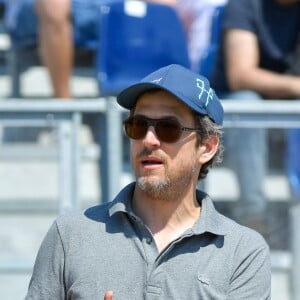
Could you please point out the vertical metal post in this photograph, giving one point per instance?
(65, 165)
(295, 248)
(76, 157)
(15, 72)
(111, 151)
(114, 149)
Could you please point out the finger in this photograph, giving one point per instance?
(108, 295)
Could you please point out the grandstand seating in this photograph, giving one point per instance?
(136, 39)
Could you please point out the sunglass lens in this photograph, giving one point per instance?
(136, 128)
(168, 131)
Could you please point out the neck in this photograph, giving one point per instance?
(174, 213)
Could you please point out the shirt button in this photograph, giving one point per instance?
(149, 240)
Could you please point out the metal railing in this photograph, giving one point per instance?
(66, 116)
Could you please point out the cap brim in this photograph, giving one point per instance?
(128, 97)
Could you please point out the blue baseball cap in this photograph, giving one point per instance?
(192, 89)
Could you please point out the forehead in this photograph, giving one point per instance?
(161, 101)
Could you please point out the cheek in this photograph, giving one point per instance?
(188, 155)
(135, 147)
(135, 150)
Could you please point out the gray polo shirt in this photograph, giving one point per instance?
(109, 248)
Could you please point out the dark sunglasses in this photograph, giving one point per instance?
(168, 130)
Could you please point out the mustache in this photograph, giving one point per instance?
(149, 152)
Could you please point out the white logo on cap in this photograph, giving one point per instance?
(157, 80)
(209, 92)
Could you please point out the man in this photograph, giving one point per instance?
(258, 39)
(160, 238)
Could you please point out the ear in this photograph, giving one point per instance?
(208, 149)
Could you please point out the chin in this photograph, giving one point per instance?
(152, 184)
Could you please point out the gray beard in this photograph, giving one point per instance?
(155, 189)
(166, 189)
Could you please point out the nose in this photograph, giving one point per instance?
(151, 139)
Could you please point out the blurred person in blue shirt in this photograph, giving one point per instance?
(51, 24)
(54, 25)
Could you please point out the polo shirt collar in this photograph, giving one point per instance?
(122, 202)
(209, 221)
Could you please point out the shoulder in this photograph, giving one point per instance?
(77, 221)
(248, 257)
(242, 4)
(241, 13)
(96, 216)
(241, 230)
(244, 240)
(75, 228)
(235, 235)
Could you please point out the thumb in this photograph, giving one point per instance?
(108, 295)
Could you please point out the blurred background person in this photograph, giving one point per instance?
(51, 24)
(53, 27)
(258, 39)
(197, 18)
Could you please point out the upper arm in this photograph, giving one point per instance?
(251, 278)
(241, 51)
(47, 280)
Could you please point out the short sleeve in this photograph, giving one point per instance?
(239, 15)
(47, 281)
(252, 273)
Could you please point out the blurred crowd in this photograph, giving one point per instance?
(257, 58)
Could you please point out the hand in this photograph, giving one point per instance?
(108, 295)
